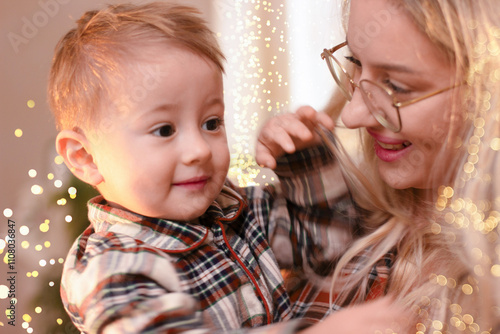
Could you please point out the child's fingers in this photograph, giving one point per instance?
(326, 121)
(285, 131)
(311, 118)
(276, 139)
(264, 158)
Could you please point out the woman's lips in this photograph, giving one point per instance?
(390, 149)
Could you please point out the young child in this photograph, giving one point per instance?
(138, 97)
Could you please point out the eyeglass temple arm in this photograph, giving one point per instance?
(332, 50)
(420, 98)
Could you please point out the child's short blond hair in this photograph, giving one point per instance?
(92, 56)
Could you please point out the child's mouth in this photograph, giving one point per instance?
(196, 183)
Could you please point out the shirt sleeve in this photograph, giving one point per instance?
(309, 214)
(120, 286)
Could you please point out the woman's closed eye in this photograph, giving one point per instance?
(165, 130)
(395, 88)
(213, 124)
(353, 60)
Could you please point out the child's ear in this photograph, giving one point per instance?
(74, 147)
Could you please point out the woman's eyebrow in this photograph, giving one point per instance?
(388, 66)
(391, 67)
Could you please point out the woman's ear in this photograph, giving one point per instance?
(74, 147)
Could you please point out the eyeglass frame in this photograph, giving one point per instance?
(395, 103)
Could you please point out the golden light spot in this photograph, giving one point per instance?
(61, 201)
(449, 218)
(60, 260)
(421, 327)
(468, 319)
(36, 189)
(72, 190)
(425, 301)
(436, 228)
(47, 244)
(50, 176)
(448, 192)
(455, 308)
(34, 273)
(8, 213)
(473, 149)
(38, 248)
(24, 230)
(32, 173)
(28, 274)
(478, 270)
(38, 309)
(26, 317)
(474, 328)
(495, 144)
(468, 167)
(467, 289)
(59, 321)
(25, 244)
(441, 280)
(30, 104)
(18, 133)
(44, 227)
(58, 160)
(495, 270)
(437, 325)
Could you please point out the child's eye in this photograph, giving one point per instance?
(166, 130)
(213, 124)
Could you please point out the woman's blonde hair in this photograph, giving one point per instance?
(447, 264)
(91, 58)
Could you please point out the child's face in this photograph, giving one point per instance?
(163, 151)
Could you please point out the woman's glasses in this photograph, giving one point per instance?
(380, 100)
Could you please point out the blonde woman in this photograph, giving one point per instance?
(421, 78)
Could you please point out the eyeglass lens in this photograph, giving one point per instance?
(376, 98)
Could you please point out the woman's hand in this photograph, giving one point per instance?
(289, 133)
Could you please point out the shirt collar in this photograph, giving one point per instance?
(171, 236)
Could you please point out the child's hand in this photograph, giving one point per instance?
(289, 133)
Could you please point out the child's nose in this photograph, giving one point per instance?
(356, 113)
(195, 149)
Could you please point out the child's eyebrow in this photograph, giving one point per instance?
(169, 107)
(215, 101)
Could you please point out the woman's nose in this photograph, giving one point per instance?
(356, 113)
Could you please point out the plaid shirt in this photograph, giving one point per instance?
(132, 274)
(309, 289)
